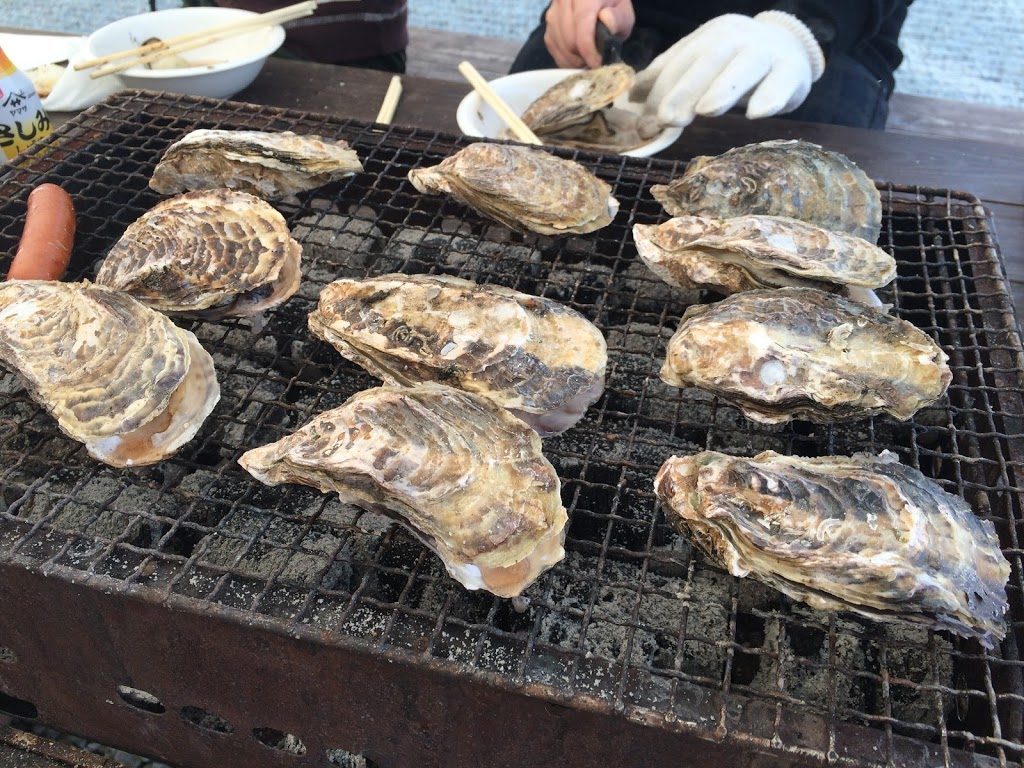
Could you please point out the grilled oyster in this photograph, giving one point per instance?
(576, 98)
(116, 375)
(209, 254)
(541, 360)
(778, 178)
(464, 475)
(802, 353)
(748, 252)
(274, 166)
(864, 534)
(578, 111)
(525, 189)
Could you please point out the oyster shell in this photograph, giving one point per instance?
(274, 166)
(748, 252)
(802, 353)
(116, 375)
(578, 111)
(464, 475)
(525, 189)
(864, 534)
(778, 178)
(541, 360)
(576, 98)
(209, 254)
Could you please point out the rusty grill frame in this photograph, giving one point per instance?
(124, 593)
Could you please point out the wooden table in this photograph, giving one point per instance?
(994, 172)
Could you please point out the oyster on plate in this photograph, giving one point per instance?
(778, 178)
(274, 166)
(117, 376)
(539, 359)
(748, 252)
(463, 474)
(802, 353)
(525, 189)
(578, 111)
(208, 254)
(865, 534)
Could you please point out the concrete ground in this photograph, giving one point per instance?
(954, 49)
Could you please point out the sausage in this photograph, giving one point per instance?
(46, 240)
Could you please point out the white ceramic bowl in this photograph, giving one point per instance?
(240, 58)
(476, 118)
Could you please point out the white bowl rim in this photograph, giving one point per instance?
(472, 101)
(162, 74)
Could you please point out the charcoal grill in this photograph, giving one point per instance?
(187, 612)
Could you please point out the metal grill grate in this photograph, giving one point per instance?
(632, 620)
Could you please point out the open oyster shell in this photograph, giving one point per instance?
(576, 98)
(463, 474)
(864, 534)
(541, 360)
(778, 178)
(274, 166)
(802, 353)
(525, 189)
(116, 375)
(748, 252)
(578, 111)
(208, 254)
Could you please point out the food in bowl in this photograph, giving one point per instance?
(579, 112)
(217, 70)
(520, 90)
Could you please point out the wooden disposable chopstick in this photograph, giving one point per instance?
(390, 103)
(510, 118)
(159, 49)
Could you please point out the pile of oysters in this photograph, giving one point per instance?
(786, 231)
(475, 375)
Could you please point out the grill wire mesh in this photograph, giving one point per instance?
(632, 619)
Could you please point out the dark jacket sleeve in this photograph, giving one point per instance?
(839, 24)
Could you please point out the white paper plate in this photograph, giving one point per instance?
(476, 118)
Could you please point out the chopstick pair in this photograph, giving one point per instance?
(144, 54)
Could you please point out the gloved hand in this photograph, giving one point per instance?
(772, 56)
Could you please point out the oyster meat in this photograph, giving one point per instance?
(523, 188)
(778, 178)
(748, 252)
(116, 375)
(803, 353)
(463, 474)
(533, 356)
(274, 166)
(208, 254)
(578, 111)
(865, 534)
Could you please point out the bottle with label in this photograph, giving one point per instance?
(23, 120)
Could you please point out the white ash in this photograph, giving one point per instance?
(583, 284)
(346, 242)
(910, 659)
(247, 399)
(782, 669)
(638, 288)
(343, 759)
(485, 262)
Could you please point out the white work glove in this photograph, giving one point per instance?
(773, 57)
